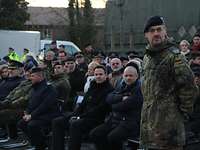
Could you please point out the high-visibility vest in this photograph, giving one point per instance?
(23, 58)
(13, 56)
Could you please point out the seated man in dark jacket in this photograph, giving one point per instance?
(42, 108)
(87, 116)
(124, 120)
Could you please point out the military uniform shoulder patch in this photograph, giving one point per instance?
(178, 61)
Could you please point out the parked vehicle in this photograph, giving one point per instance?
(19, 40)
(70, 47)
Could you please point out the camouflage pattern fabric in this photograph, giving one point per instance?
(169, 92)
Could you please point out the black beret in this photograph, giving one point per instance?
(15, 64)
(36, 69)
(153, 21)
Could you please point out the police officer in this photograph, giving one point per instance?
(168, 90)
(13, 55)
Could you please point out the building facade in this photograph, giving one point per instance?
(124, 21)
(53, 23)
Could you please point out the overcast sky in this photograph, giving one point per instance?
(62, 3)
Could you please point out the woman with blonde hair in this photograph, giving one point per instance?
(184, 46)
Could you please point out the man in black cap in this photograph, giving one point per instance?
(12, 54)
(41, 109)
(168, 90)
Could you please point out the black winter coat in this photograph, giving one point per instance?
(77, 81)
(7, 85)
(126, 112)
(43, 103)
(94, 104)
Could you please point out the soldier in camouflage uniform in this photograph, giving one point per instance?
(61, 84)
(47, 65)
(168, 91)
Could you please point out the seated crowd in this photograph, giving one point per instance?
(87, 96)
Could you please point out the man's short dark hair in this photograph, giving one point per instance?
(59, 63)
(70, 59)
(101, 67)
(62, 51)
(196, 35)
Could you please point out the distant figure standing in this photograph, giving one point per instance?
(12, 55)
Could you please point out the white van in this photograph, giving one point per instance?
(70, 47)
(19, 40)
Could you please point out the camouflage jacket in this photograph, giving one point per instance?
(18, 98)
(61, 84)
(168, 91)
